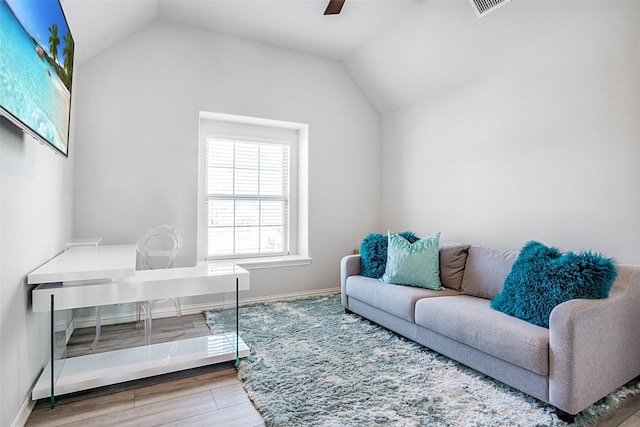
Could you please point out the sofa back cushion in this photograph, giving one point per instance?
(453, 257)
(486, 270)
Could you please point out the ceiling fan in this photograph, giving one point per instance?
(334, 7)
(482, 7)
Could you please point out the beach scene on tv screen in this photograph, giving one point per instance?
(36, 66)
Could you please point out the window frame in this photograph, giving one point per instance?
(250, 129)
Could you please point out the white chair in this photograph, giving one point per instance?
(157, 249)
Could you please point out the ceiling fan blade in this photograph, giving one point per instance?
(334, 7)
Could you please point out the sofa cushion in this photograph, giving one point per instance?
(471, 321)
(413, 264)
(395, 299)
(453, 257)
(485, 271)
(543, 277)
(373, 253)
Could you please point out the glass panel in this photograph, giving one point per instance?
(219, 153)
(247, 212)
(246, 182)
(247, 240)
(220, 241)
(247, 155)
(223, 323)
(60, 333)
(220, 213)
(229, 321)
(271, 239)
(271, 183)
(58, 327)
(219, 181)
(273, 170)
(271, 156)
(272, 213)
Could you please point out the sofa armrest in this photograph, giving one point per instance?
(349, 266)
(593, 344)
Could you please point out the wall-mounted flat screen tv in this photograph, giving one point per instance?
(36, 69)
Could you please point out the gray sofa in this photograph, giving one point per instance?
(591, 347)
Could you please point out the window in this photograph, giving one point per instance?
(247, 198)
(250, 187)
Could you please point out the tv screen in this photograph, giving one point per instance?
(36, 69)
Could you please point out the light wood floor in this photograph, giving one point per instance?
(207, 396)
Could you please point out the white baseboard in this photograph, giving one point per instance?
(27, 406)
(289, 296)
(106, 319)
(110, 319)
(69, 331)
(23, 414)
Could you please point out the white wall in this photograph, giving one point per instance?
(542, 143)
(35, 221)
(137, 128)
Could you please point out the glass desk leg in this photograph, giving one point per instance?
(52, 398)
(226, 325)
(237, 326)
(58, 337)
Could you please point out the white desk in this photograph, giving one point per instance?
(86, 276)
(143, 285)
(87, 263)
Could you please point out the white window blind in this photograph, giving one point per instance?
(247, 198)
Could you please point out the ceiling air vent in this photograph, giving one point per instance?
(482, 7)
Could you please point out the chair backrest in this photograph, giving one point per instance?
(158, 247)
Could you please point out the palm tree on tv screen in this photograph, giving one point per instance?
(68, 54)
(54, 41)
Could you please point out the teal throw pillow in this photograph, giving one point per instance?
(413, 264)
(373, 253)
(543, 277)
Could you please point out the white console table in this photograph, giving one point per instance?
(86, 276)
(87, 263)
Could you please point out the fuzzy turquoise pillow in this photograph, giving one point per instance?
(543, 277)
(373, 253)
(413, 264)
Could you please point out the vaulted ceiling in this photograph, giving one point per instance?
(356, 37)
(397, 51)
(293, 24)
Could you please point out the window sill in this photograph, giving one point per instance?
(264, 262)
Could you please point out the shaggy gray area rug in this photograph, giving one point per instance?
(313, 365)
